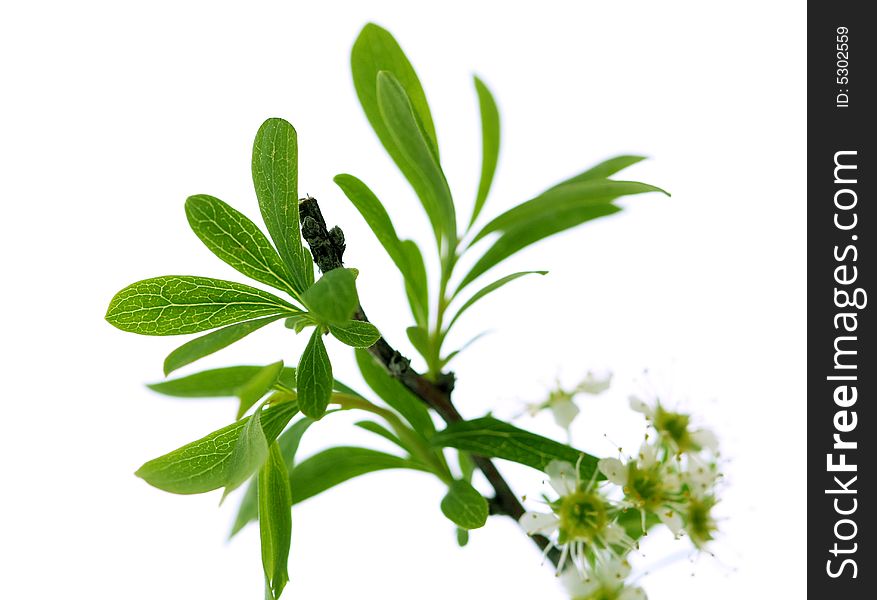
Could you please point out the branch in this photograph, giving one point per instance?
(327, 247)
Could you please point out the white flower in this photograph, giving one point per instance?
(606, 581)
(651, 484)
(674, 428)
(581, 519)
(701, 476)
(561, 402)
(700, 524)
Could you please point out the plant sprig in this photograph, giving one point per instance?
(260, 446)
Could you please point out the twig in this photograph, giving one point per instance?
(327, 247)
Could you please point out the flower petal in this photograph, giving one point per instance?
(595, 384)
(562, 476)
(641, 407)
(564, 412)
(614, 570)
(536, 522)
(648, 456)
(672, 520)
(615, 534)
(614, 470)
(705, 439)
(632, 593)
(577, 587)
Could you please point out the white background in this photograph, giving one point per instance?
(113, 114)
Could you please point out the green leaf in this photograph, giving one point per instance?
(583, 194)
(419, 338)
(404, 254)
(488, 289)
(212, 383)
(314, 377)
(539, 228)
(382, 431)
(358, 334)
(275, 520)
(330, 467)
(489, 144)
(395, 394)
(288, 441)
(248, 455)
(417, 292)
(275, 177)
(333, 298)
(467, 466)
(465, 506)
(204, 465)
(603, 170)
(417, 157)
(493, 438)
(376, 50)
(181, 304)
(218, 383)
(257, 386)
(214, 341)
(462, 536)
(237, 241)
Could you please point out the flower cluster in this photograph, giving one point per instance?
(671, 481)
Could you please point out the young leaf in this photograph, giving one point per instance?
(467, 466)
(330, 467)
(248, 455)
(407, 259)
(489, 144)
(376, 50)
(217, 383)
(213, 342)
(358, 334)
(419, 338)
(456, 352)
(257, 386)
(418, 296)
(465, 506)
(493, 438)
(603, 170)
(395, 394)
(488, 289)
(581, 194)
(275, 520)
(382, 431)
(237, 241)
(539, 228)
(422, 167)
(203, 465)
(314, 377)
(181, 304)
(462, 537)
(275, 177)
(333, 298)
(288, 441)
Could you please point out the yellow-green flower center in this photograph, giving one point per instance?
(674, 426)
(583, 516)
(701, 524)
(644, 487)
